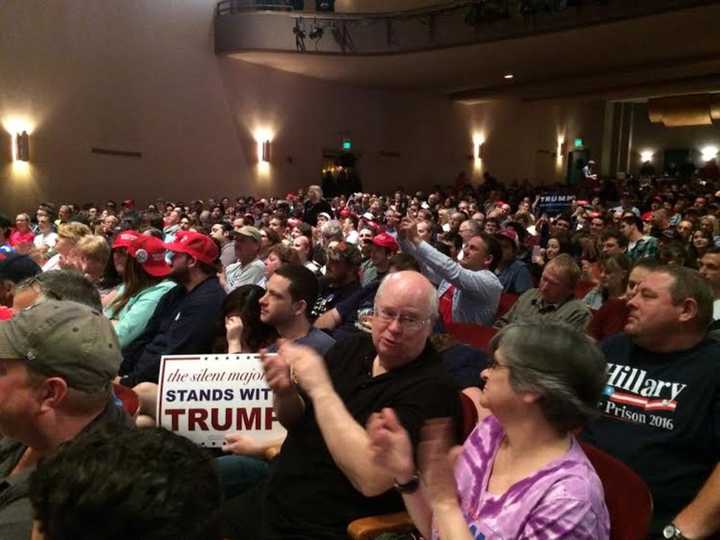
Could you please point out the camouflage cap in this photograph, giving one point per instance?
(59, 338)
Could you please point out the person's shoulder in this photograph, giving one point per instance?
(318, 340)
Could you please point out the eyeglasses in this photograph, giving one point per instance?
(406, 322)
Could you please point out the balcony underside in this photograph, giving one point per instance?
(673, 52)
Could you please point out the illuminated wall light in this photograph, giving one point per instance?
(22, 147)
(265, 154)
(709, 152)
(561, 150)
(646, 156)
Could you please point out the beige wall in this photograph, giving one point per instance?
(142, 76)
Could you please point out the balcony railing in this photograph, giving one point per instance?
(281, 25)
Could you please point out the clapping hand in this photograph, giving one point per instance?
(390, 445)
(307, 368)
(436, 457)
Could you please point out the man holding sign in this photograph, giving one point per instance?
(324, 476)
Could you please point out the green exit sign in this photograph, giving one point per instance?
(578, 142)
(347, 145)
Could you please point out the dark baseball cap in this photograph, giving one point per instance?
(16, 267)
(59, 338)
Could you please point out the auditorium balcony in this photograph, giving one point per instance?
(287, 25)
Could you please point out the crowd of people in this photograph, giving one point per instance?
(603, 299)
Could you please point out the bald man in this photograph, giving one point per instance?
(325, 472)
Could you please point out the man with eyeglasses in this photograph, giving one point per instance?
(324, 472)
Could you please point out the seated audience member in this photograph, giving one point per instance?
(353, 314)
(469, 291)
(93, 253)
(611, 318)
(342, 277)
(287, 305)
(521, 473)
(57, 363)
(68, 236)
(659, 409)
(382, 247)
(512, 273)
(120, 246)
(556, 245)
(277, 256)
(222, 232)
(702, 240)
(45, 236)
(672, 253)
(246, 333)
(186, 319)
(553, 300)
(614, 273)
(324, 476)
(249, 269)
(21, 238)
(56, 285)
(710, 271)
(303, 246)
(640, 245)
(613, 242)
(13, 269)
(144, 283)
(147, 484)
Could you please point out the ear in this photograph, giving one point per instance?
(689, 310)
(52, 393)
(299, 307)
(531, 397)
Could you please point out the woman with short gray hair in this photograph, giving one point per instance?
(520, 473)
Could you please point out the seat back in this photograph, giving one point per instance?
(476, 335)
(506, 302)
(627, 496)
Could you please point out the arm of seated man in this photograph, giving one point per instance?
(347, 440)
(701, 518)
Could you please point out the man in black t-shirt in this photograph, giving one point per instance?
(342, 277)
(661, 406)
(324, 476)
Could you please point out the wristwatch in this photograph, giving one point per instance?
(671, 532)
(410, 486)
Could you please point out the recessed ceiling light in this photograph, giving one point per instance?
(509, 76)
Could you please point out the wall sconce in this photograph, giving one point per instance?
(22, 147)
(265, 153)
(478, 146)
(646, 156)
(709, 153)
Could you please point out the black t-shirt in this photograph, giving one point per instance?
(306, 496)
(330, 296)
(661, 416)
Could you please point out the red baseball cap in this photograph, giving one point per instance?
(385, 240)
(196, 245)
(125, 239)
(150, 253)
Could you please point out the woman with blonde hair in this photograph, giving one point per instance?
(65, 255)
(93, 253)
